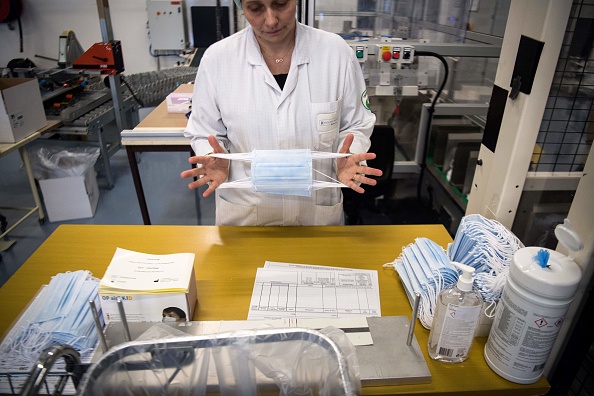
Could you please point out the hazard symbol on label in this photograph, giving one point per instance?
(541, 322)
(559, 322)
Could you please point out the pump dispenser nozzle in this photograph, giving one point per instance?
(465, 280)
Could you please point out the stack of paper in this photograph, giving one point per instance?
(285, 290)
(151, 287)
(139, 273)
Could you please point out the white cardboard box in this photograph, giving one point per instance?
(21, 109)
(179, 102)
(70, 198)
(149, 307)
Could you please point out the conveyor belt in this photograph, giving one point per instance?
(96, 118)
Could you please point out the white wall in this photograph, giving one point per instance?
(44, 20)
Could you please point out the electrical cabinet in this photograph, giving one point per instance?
(168, 25)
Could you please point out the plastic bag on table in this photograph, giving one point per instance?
(49, 162)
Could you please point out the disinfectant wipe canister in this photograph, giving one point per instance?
(530, 313)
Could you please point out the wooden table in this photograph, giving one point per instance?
(226, 262)
(6, 148)
(158, 131)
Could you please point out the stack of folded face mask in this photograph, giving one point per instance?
(424, 268)
(59, 314)
(489, 247)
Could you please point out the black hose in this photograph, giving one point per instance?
(431, 110)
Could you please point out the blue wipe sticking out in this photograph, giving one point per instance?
(542, 257)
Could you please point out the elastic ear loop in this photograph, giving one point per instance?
(392, 264)
(491, 309)
(323, 174)
(31, 344)
(246, 157)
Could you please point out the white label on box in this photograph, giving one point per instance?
(17, 120)
(145, 307)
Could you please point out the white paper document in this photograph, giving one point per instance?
(285, 290)
(147, 273)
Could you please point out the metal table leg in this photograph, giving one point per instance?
(131, 151)
(27, 164)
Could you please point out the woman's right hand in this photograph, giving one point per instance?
(209, 170)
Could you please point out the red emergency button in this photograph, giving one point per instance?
(386, 56)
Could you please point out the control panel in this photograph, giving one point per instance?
(391, 53)
(361, 51)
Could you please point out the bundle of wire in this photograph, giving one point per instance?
(424, 268)
(59, 314)
(489, 247)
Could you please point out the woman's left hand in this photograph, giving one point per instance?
(349, 171)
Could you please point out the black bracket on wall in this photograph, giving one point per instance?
(494, 117)
(525, 67)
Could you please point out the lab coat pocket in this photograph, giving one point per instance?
(228, 213)
(329, 214)
(326, 117)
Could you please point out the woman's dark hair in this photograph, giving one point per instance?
(177, 311)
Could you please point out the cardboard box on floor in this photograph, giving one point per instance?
(21, 109)
(69, 198)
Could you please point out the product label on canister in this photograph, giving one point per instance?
(458, 330)
(521, 339)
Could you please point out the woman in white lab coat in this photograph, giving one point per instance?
(279, 85)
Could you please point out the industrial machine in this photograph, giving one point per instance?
(410, 88)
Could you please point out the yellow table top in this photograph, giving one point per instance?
(225, 265)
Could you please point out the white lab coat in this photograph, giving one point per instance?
(237, 99)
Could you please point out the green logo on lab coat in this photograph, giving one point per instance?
(365, 99)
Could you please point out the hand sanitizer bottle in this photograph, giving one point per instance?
(455, 320)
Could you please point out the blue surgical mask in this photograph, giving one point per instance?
(60, 314)
(425, 268)
(287, 172)
(489, 247)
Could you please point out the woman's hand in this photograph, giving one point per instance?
(349, 171)
(211, 171)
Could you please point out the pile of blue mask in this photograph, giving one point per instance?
(59, 314)
(425, 268)
(489, 247)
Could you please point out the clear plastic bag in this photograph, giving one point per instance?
(291, 360)
(53, 162)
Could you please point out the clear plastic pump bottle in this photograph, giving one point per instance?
(455, 320)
